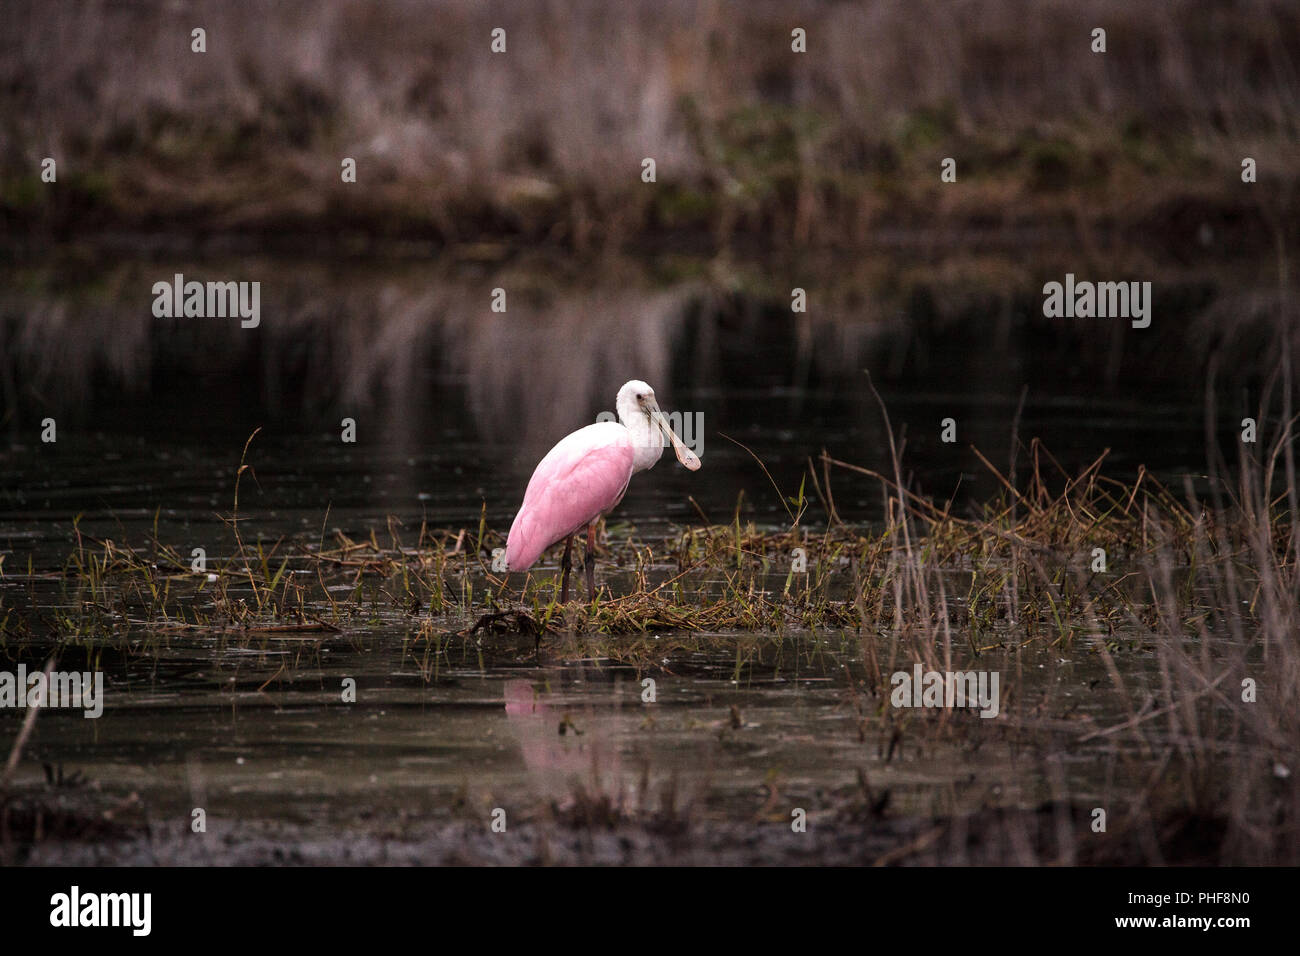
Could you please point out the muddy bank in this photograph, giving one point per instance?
(42, 832)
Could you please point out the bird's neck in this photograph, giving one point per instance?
(647, 438)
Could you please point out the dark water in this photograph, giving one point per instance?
(453, 405)
(747, 727)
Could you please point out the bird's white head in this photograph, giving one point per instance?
(639, 411)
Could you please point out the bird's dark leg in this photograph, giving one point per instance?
(589, 562)
(566, 562)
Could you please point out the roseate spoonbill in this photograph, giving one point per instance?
(584, 476)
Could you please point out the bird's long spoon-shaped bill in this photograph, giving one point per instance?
(684, 454)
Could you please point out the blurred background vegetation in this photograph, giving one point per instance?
(755, 146)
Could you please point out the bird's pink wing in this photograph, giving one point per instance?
(580, 478)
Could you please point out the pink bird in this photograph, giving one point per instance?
(584, 477)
